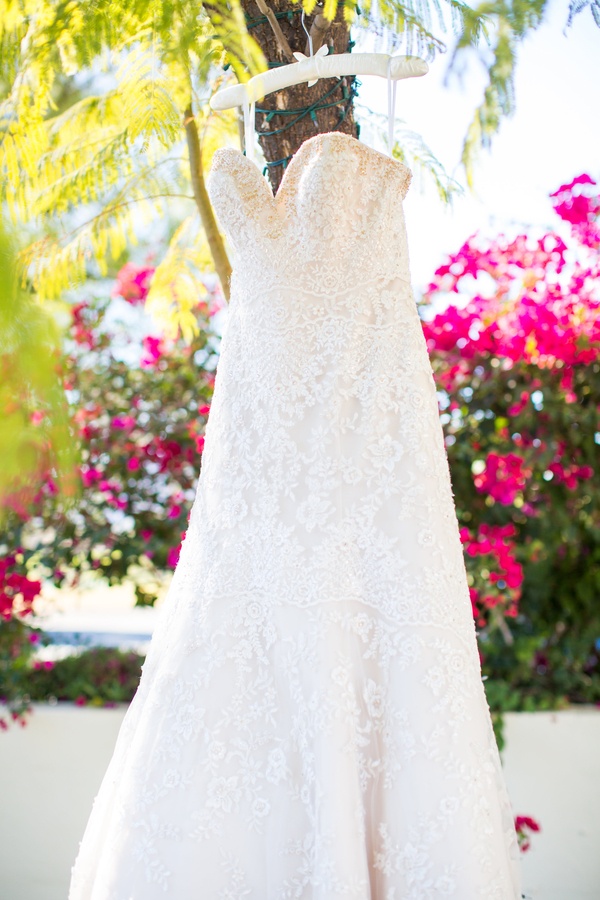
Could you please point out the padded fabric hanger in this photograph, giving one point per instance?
(310, 69)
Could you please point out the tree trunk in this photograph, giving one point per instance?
(280, 135)
(207, 216)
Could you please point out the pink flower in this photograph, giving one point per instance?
(520, 405)
(154, 350)
(17, 591)
(581, 179)
(89, 475)
(494, 546)
(527, 822)
(133, 283)
(173, 556)
(146, 534)
(524, 826)
(80, 329)
(580, 208)
(503, 478)
(133, 464)
(123, 423)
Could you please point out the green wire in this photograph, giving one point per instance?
(301, 113)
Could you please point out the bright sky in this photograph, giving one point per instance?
(553, 136)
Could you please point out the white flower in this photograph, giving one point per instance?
(445, 885)
(171, 778)
(276, 766)
(412, 858)
(188, 719)
(313, 511)
(261, 807)
(456, 663)
(223, 793)
(340, 676)
(435, 679)
(385, 453)
(426, 537)
(216, 751)
(233, 509)
(387, 299)
(352, 474)
(254, 609)
(362, 625)
(373, 695)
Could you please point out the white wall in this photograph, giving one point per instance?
(552, 768)
(51, 770)
(49, 774)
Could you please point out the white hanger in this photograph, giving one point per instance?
(310, 69)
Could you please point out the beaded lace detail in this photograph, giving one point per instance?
(311, 721)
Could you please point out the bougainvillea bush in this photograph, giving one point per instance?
(18, 636)
(139, 404)
(98, 676)
(513, 330)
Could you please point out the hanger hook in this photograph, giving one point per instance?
(310, 40)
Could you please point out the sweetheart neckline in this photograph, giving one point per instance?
(309, 143)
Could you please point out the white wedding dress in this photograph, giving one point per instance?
(311, 721)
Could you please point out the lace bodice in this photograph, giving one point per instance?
(311, 722)
(338, 210)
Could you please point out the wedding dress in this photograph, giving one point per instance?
(311, 721)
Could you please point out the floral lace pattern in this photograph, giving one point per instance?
(311, 722)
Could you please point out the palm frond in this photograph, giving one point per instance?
(177, 287)
(148, 107)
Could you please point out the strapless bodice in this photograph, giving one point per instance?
(337, 215)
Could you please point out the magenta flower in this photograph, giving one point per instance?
(501, 587)
(133, 283)
(123, 423)
(90, 475)
(173, 556)
(154, 350)
(504, 477)
(17, 591)
(525, 826)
